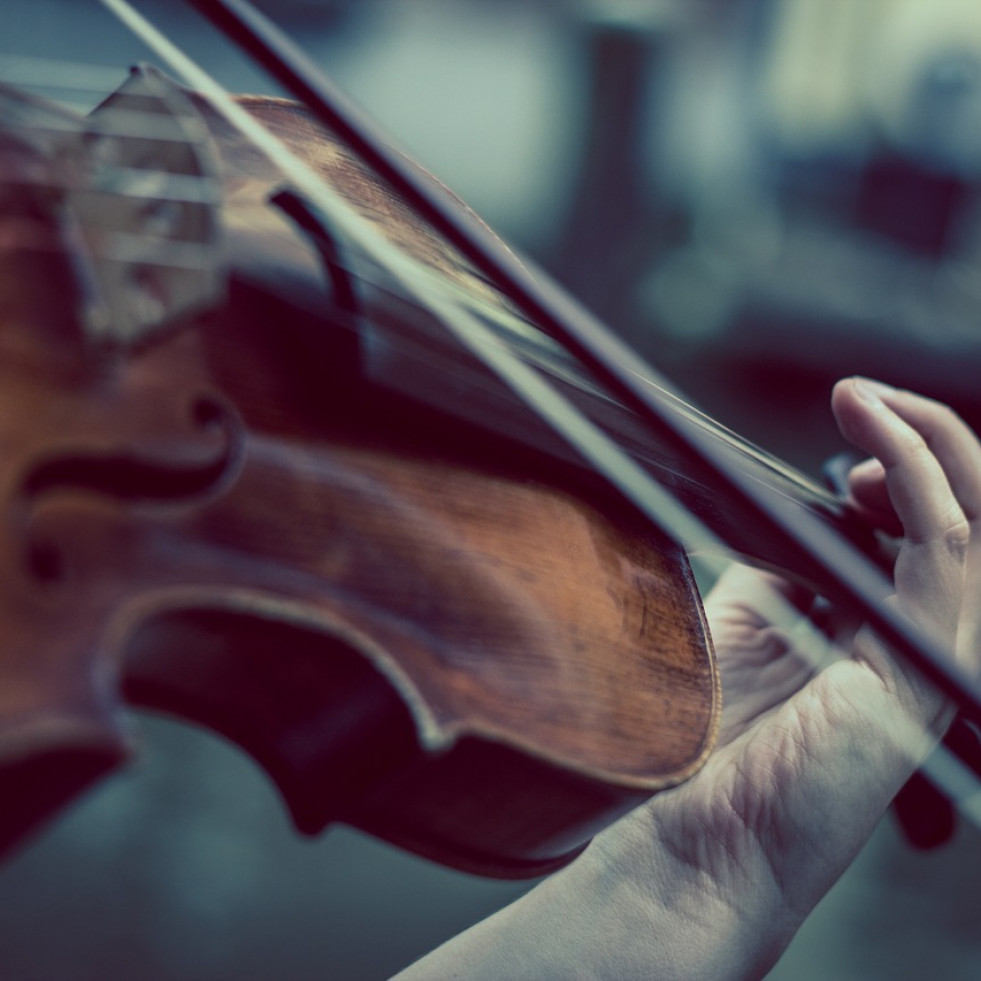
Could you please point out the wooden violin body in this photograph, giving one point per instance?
(417, 626)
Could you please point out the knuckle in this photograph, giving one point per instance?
(956, 535)
(951, 531)
(945, 419)
(910, 445)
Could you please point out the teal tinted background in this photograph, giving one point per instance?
(186, 868)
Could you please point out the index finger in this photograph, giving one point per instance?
(949, 438)
(921, 468)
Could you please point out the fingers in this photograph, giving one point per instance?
(951, 441)
(921, 447)
(868, 490)
(949, 438)
(928, 464)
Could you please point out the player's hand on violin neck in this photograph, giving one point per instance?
(713, 878)
(923, 478)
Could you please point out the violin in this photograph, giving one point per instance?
(401, 619)
(252, 482)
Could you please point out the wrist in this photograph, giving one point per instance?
(684, 915)
(630, 907)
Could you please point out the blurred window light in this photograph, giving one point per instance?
(901, 70)
(811, 76)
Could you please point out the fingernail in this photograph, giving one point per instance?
(866, 391)
(881, 387)
(870, 469)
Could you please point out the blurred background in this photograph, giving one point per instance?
(762, 196)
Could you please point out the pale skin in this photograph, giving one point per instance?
(712, 880)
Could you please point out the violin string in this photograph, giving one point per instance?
(115, 122)
(752, 455)
(433, 292)
(53, 74)
(858, 581)
(128, 182)
(115, 140)
(751, 458)
(132, 249)
(177, 188)
(58, 75)
(98, 119)
(663, 510)
(144, 124)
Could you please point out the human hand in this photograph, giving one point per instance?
(712, 879)
(807, 763)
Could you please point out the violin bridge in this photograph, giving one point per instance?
(129, 195)
(148, 213)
